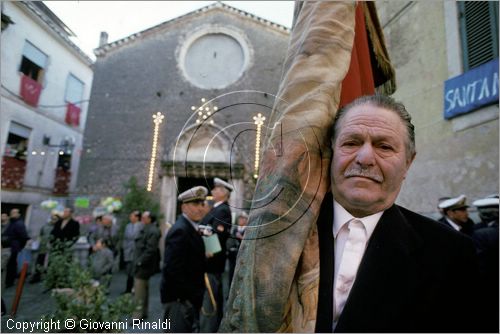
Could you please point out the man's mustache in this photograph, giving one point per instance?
(364, 172)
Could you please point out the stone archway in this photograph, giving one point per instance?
(200, 152)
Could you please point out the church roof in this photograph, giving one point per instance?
(215, 6)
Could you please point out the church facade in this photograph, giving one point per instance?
(181, 103)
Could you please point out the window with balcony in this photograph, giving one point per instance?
(33, 63)
(14, 159)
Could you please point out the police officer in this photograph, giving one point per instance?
(182, 283)
(456, 215)
(219, 219)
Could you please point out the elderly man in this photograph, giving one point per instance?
(382, 268)
(182, 283)
(385, 268)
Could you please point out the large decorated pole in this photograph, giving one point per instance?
(275, 286)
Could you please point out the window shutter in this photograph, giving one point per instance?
(479, 30)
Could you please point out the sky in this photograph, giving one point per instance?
(123, 18)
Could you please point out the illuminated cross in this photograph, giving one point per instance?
(204, 111)
(259, 121)
(157, 120)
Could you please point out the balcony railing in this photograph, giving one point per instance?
(13, 170)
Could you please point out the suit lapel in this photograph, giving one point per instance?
(381, 294)
(324, 313)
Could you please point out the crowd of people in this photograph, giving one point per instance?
(188, 268)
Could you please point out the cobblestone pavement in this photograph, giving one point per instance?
(36, 301)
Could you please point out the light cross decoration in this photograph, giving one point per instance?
(157, 119)
(204, 111)
(259, 121)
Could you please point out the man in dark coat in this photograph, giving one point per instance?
(67, 230)
(146, 261)
(219, 219)
(15, 237)
(455, 214)
(182, 283)
(388, 269)
(486, 241)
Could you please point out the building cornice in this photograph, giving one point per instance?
(102, 50)
(60, 34)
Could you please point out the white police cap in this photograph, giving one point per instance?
(198, 193)
(485, 202)
(454, 203)
(222, 183)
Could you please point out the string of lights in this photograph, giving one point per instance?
(259, 121)
(157, 119)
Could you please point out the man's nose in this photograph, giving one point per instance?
(365, 156)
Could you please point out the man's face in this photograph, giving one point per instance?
(146, 218)
(218, 193)
(194, 210)
(5, 217)
(370, 160)
(14, 213)
(107, 221)
(459, 216)
(242, 221)
(133, 218)
(66, 213)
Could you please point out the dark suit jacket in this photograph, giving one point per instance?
(69, 233)
(15, 235)
(415, 276)
(219, 216)
(467, 228)
(183, 264)
(146, 253)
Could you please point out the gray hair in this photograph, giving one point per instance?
(386, 102)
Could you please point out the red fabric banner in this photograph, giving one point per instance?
(359, 79)
(30, 90)
(73, 115)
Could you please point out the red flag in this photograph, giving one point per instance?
(30, 90)
(359, 79)
(73, 115)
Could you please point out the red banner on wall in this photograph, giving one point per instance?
(30, 90)
(73, 115)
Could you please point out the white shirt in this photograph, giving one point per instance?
(218, 203)
(454, 225)
(340, 218)
(194, 224)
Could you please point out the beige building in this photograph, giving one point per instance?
(430, 43)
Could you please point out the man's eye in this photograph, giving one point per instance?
(386, 147)
(349, 143)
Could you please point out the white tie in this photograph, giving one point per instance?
(353, 252)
